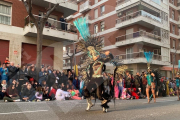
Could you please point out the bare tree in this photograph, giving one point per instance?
(39, 23)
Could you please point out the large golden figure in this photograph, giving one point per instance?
(95, 59)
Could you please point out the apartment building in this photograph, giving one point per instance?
(131, 27)
(18, 34)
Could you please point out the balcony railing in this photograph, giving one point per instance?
(137, 55)
(87, 3)
(120, 2)
(66, 64)
(68, 51)
(138, 34)
(53, 24)
(137, 14)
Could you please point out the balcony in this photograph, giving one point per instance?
(70, 52)
(142, 18)
(53, 30)
(67, 7)
(140, 58)
(85, 7)
(126, 4)
(140, 37)
(66, 64)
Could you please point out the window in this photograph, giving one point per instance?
(179, 42)
(5, 14)
(102, 10)
(95, 1)
(96, 28)
(174, 44)
(155, 51)
(173, 2)
(129, 53)
(102, 39)
(173, 29)
(96, 13)
(102, 26)
(173, 14)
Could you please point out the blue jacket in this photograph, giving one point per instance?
(74, 83)
(42, 76)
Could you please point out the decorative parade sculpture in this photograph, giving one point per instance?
(95, 59)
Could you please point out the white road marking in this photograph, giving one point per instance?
(23, 112)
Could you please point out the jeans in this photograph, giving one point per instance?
(120, 90)
(107, 89)
(31, 98)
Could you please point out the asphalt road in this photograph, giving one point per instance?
(167, 108)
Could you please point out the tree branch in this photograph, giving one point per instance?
(50, 11)
(68, 54)
(28, 6)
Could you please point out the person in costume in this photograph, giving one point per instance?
(157, 77)
(177, 85)
(150, 84)
(95, 58)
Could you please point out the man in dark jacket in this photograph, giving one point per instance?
(137, 81)
(28, 94)
(52, 79)
(128, 80)
(13, 72)
(63, 21)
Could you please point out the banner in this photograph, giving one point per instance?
(76, 70)
(179, 64)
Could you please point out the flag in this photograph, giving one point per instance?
(76, 70)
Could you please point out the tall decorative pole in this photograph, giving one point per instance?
(149, 56)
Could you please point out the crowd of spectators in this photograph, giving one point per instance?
(21, 84)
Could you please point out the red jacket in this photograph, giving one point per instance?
(53, 91)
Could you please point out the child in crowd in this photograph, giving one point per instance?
(62, 95)
(125, 95)
(52, 93)
(39, 94)
(45, 86)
